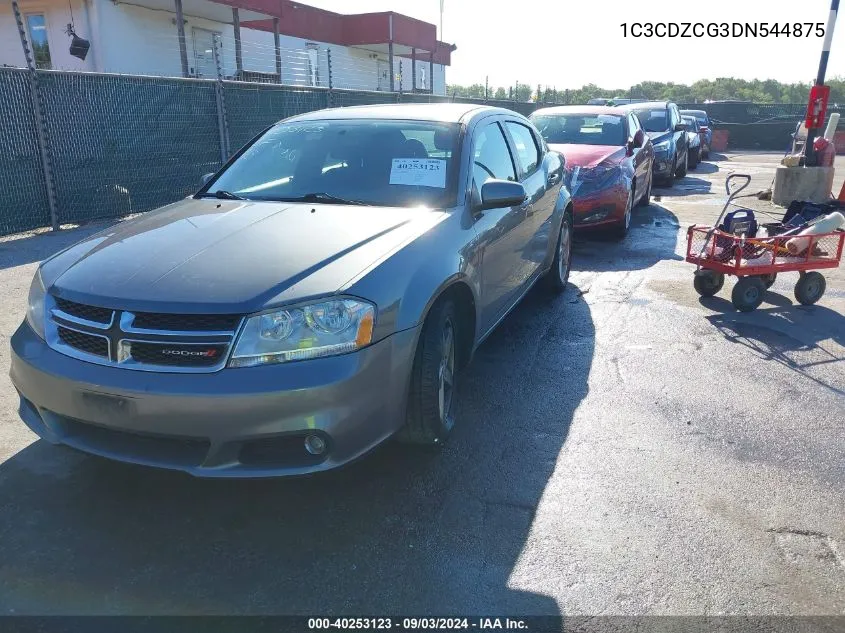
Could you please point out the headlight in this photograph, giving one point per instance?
(585, 180)
(663, 146)
(35, 304)
(321, 329)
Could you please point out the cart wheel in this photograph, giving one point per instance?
(747, 294)
(769, 280)
(708, 282)
(810, 288)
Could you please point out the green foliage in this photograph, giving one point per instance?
(758, 91)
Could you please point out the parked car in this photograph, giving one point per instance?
(694, 140)
(620, 101)
(598, 101)
(317, 295)
(662, 122)
(608, 158)
(705, 129)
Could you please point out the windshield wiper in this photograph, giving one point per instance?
(221, 195)
(324, 197)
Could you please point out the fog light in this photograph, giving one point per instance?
(315, 444)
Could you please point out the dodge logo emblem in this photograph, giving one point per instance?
(208, 353)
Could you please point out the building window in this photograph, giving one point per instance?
(422, 78)
(37, 27)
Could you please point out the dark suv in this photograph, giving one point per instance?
(662, 122)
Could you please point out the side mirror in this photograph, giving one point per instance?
(206, 178)
(639, 138)
(680, 128)
(496, 194)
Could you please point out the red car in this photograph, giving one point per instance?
(608, 160)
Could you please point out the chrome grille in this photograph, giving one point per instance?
(174, 355)
(84, 342)
(142, 341)
(186, 322)
(84, 312)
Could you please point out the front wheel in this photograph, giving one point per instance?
(681, 171)
(646, 197)
(430, 417)
(708, 282)
(558, 274)
(810, 288)
(748, 293)
(621, 230)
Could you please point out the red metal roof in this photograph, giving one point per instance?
(361, 29)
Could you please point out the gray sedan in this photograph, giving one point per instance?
(316, 297)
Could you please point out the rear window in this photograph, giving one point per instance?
(581, 129)
(653, 120)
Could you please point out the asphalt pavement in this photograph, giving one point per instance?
(625, 448)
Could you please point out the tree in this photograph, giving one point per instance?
(501, 93)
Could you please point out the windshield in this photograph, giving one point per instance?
(689, 124)
(702, 121)
(581, 129)
(369, 161)
(653, 120)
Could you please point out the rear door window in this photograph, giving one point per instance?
(527, 153)
(491, 156)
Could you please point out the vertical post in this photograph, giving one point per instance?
(40, 121)
(486, 86)
(413, 70)
(222, 121)
(809, 152)
(401, 77)
(331, 78)
(390, 62)
(278, 48)
(239, 59)
(180, 29)
(390, 54)
(431, 71)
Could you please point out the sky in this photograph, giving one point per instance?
(570, 43)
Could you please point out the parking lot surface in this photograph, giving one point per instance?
(626, 448)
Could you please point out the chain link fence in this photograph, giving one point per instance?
(124, 144)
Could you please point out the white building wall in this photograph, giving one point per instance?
(130, 39)
(57, 17)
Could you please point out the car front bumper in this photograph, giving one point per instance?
(244, 422)
(601, 208)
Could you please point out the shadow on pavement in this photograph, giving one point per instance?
(687, 186)
(651, 238)
(705, 168)
(401, 531)
(783, 333)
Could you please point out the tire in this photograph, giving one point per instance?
(681, 171)
(769, 280)
(694, 159)
(645, 200)
(810, 288)
(558, 275)
(705, 154)
(621, 230)
(707, 282)
(748, 293)
(430, 417)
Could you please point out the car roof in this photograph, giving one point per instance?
(582, 109)
(439, 112)
(693, 112)
(646, 104)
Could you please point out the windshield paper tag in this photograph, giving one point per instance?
(423, 172)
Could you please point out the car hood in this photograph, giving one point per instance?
(657, 137)
(230, 256)
(589, 155)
